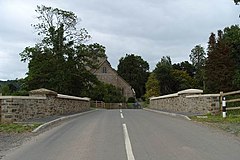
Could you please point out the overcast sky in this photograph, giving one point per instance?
(149, 28)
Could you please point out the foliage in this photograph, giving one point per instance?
(217, 119)
(197, 56)
(13, 87)
(236, 2)
(173, 78)
(131, 100)
(60, 61)
(220, 64)
(163, 73)
(106, 92)
(198, 59)
(232, 39)
(185, 66)
(181, 80)
(17, 128)
(5, 90)
(134, 70)
(152, 86)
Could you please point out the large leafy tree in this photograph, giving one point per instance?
(172, 78)
(134, 70)
(198, 56)
(232, 40)
(185, 66)
(60, 60)
(181, 80)
(198, 59)
(163, 73)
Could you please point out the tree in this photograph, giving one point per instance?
(236, 2)
(198, 58)
(134, 70)
(5, 90)
(172, 78)
(181, 80)
(232, 39)
(219, 65)
(60, 61)
(107, 93)
(185, 66)
(152, 86)
(163, 73)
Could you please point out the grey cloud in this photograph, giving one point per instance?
(150, 28)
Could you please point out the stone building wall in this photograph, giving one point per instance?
(107, 74)
(187, 101)
(41, 103)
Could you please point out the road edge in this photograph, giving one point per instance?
(60, 119)
(168, 113)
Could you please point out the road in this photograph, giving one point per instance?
(129, 135)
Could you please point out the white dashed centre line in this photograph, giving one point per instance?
(121, 115)
(120, 111)
(128, 145)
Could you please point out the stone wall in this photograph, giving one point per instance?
(187, 101)
(41, 103)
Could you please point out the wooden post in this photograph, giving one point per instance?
(221, 96)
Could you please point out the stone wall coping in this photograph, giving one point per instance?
(187, 91)
(165, 96)
(204, 95)
(191, 91)
(72, 97)
(21, 97)
(43, 91)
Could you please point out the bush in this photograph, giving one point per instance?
(131, 100)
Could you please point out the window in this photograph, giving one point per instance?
(104, 70)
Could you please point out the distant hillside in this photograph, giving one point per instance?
(15, 83)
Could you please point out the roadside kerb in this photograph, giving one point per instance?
(168, 113)
(60, 119)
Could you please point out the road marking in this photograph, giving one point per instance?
(121, 115)
(120, 110)
(128, 145)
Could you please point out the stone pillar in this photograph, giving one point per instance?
(42, 93)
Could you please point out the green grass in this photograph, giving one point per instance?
(217, 119)
(229, 124)
(17, 128)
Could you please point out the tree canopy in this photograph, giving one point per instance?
(134, 70)
(107, 93)
(60, 60)
(197, 56)
(222, 62)
(173, 78)
(152, 86)
(236, 2)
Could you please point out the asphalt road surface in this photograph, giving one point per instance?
(129, 135)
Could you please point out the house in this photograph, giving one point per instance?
(105, 73)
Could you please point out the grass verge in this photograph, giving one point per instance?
(230, 124)
(17, 128)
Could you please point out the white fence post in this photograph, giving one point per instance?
(224, 109)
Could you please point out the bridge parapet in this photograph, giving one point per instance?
(187, 101)
(39, 104)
